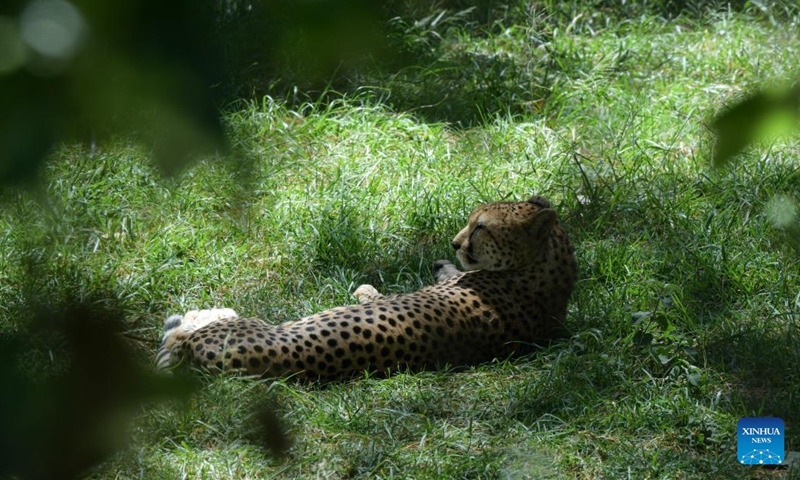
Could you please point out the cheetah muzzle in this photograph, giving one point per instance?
(519, 273)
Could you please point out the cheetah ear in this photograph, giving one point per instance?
(542, 223)
(539, 201)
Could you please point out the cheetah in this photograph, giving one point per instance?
(520, 270)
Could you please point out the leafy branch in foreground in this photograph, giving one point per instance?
(763, 115)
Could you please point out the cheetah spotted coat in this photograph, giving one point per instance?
(520, 272)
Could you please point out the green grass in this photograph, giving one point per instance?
(685, 317)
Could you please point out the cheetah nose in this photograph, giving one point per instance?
(455, 245)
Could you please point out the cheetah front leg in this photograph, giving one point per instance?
(444, 270)
(366, 294)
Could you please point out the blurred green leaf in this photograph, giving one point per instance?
(782, 212)
(763, 115)
(72, 382)
(270, 433)
(58, 423)
(88, 70)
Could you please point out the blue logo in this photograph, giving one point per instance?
(760, 441)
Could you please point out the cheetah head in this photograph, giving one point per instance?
(505, 235)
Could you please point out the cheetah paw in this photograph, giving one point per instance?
(177, 328)
(366, 294)
(195, 319)
(444, 269)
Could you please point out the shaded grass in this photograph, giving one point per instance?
(684, 319)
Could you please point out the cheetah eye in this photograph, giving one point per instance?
(478, 226)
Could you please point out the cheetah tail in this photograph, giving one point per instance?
(172, 329)
(177, 328)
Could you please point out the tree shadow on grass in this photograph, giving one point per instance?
(717, 326)
(413, 55)
(762, 363)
